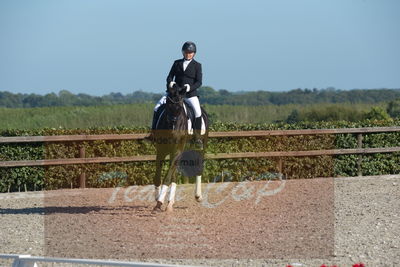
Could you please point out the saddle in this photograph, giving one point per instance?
(189, 113)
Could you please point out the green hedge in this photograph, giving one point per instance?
(124, 174)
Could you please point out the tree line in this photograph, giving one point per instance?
(208, 95)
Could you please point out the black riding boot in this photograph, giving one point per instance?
(197, 133)
(150, 137)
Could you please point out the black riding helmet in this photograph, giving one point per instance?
(189, 47)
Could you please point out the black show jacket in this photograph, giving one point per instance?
(192, 75)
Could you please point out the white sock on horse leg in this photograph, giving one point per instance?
(156, 192)
(163, 193)
(172, 191)
(198, 186)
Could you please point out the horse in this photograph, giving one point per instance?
(171, 135)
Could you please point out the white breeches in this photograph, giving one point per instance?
(193, 101)
(160, 102)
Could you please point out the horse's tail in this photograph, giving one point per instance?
(204, 115)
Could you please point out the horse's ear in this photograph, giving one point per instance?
(172, 91)
(182, 91)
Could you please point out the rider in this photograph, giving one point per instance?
(186, 73)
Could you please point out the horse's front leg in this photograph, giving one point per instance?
(198, 195)
(171, 176)
(197, 192)
(159, 190)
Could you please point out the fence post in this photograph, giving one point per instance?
(360, 156)
(82, 178)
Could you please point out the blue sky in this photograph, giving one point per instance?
(98, 46)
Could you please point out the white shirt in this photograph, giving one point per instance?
(186, 63)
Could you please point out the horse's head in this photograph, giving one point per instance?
(176, 91)
(174, 105)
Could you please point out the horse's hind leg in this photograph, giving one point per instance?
(161, 197)
(157, 177)
(198, 195)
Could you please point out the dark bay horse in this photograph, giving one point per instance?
(170, 137)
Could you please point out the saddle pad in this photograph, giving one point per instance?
(190, 113)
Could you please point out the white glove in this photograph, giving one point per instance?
(187, 86)
(171, 84)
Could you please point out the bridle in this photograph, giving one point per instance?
(175, 102)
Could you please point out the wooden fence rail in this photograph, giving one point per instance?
(306, 153)
(279, 154)
(65, 138)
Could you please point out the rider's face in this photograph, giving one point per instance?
(188, 55)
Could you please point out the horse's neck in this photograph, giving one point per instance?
(181, 123)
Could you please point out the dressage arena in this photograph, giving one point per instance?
(303, 222)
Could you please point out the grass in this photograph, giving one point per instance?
(132, 115)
